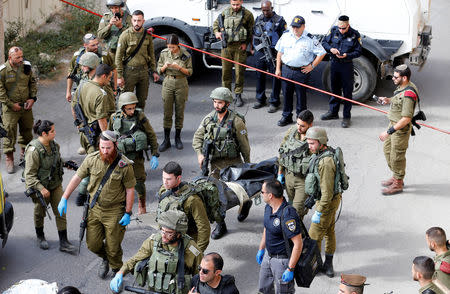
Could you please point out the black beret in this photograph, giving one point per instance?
(343, 18)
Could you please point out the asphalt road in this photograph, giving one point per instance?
(377, 236)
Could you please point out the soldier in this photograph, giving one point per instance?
(293, 160)
(226, 131)
(43, 173)
(422, 271)
(112, 24)
(397, 135)
(352, 284)
(437, 242)
(17, 94)
(323, 220)
(238, 25)
(176, 65)
(167, 247)
(273, 26)
(343, 43)
(88, 62)
(134, 58)
(112, 197)
(135, 135)
(175, 194)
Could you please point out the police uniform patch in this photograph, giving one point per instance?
(194, 250)
(243, 132)
(291, 225)
(276, 222)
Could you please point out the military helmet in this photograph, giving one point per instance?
(174, 220)
(222, 93)
(126, 99)
(317, 133)
(115, 3)
(90, 59)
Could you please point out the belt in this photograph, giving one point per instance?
(136, 67)
(174, 77)
(341, 60)
(295, 68)
(278, 256)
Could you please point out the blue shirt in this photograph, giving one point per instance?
(298, 52)
(272, 223)
(349, 43)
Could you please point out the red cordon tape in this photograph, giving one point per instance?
(150, 31)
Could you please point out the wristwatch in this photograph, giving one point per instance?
(312, 65)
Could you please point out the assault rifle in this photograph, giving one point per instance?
(222, 31)
(31, 191)
(73, 74)
(83, 223)
(265, 43)
(70, 164)
(206, 151)
(91, 132)
(139, 290)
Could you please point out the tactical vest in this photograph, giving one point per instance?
(113, 39)
(172, 201)
(233, 24)
(294, 155)
(270, 28)
(160, 274)
(132, 139)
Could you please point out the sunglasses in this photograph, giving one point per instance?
(343, 28)
(203, 270)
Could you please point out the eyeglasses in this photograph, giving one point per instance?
(342, 28)
(167, 233)
(396, 78)
(263, 192)
(203, 270)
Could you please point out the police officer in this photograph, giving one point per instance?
(166, 247)
(112, 24)
(139, 58)
(298, 54)
(422, 271)
(343, 43)
(293, 161)
(352, 284)
(176, 65)
(43, 172)
(278, 264)
(17, 94)
(226, 130)
(323, 220)
(111, 202)
(273, 26)
(238, 27)
(135, 136)
(396, 137)
(175, 194)
(437, 242)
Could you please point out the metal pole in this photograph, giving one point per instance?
(2, 35)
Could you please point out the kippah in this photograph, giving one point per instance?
(110, 135)
(401, 67)
(343, 18)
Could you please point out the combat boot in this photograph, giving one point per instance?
(238, 100)
(141, 205)
(166, 143)
(327, 267)
(9, 162)
(81, 198)
(64, 244)
(103, 269)
(42, 243)
(245, 210)
(219, 231)
(389, 182)
(395, 188)
(178, 143)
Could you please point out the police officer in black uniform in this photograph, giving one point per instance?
(273, 26)
(343, 43)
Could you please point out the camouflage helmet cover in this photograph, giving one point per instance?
(174, 220)
(317, 133)
(127, 98)
(90, 59)
(222, 93)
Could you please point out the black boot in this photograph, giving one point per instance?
(81, 198)
(42, 243)
(103, 269)
(178, 143)
(245, 210)
(238, 100)
(219, 231)
(64, 244)
(166, 143)
(327, 267)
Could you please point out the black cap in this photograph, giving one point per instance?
(343, 18)
(298, 21)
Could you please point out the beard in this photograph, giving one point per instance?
(137, 28)
(108, 158)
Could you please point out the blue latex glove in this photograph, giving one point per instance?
(287, 276)
(260, 256)
(116, 282)
(62, 206)
(154, 162)
(125, 220)
(280, 178)
(316, 217)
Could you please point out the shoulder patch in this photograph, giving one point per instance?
(103, 92)
(411, 94)
(2, 67)
(31, 148)
(122, 163)
(243, 132)
(291, 225)
(445, 267)
(194, 250)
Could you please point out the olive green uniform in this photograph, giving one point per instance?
(111, 34)
(294, 165)
(231, 143)
(117, 123)
(236, 37)
(431, 286)
(135, 72)
(396, 144)
(175, 87)
(75, 67)
(16, 87)
(194, 208)
(443, 277)
(328, 204)
(43, 169)
(104, 233)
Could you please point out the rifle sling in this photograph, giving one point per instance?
(295, 151)
(125, 62)
(233, 32)
(105, 179)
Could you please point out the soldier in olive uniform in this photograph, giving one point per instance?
(112, 24)
(422, 271)
(43, 173)
(164, 247)
(396, 137)
(323, 220)
(110, 203)
(134, 73)
(135, 136)
(88, 62)
(238, 27)
(175, 194)
(176, 65)
(17, 94)
(226, 131)
(437, 242)
(293, 160)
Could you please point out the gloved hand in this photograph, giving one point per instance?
(125, 220)
(280, 178)
(154, 162)
(316, 217)
(287, 276)
(260, 256)
(116, 282)
(62, 206)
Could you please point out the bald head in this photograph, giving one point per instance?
(15, 56)
(266, 8)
